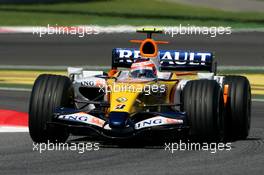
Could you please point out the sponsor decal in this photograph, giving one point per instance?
(107, 127)
(93, 83)
(169, 57)
(88, 83)
(183, 58)
(83, 118)
(156, 121)
(125, 53)
(121, 99)
(120, 106)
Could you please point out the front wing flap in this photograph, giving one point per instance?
(100, 124)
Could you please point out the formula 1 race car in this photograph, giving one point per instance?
(146, 91)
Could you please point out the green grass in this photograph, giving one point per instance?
(11, 85)
(136, 12)
(255, 96)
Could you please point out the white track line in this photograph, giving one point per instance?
(258, 100)
(105, 29)
(15, 89)
(13, 129)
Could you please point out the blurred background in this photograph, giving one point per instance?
(240, 52)
(235, 13)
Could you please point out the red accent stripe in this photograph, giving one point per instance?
(13, 118)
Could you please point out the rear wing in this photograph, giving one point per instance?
(171, 60)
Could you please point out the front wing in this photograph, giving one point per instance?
(105, 126)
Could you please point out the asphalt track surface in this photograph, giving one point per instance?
(237, 49)
(17, 155)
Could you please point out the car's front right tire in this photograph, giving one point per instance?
(49, 92)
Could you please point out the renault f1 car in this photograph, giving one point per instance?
(184, 93)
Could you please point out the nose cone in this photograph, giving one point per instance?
(118, 119)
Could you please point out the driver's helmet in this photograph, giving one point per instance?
(143, 69)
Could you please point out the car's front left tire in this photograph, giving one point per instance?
(238, 107)
(203, 104)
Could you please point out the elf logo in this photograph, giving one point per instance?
(121, 99)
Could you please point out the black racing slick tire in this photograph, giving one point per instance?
(49, 92)
(238, 107)
(203, 104)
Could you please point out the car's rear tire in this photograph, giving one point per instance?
(203, 104)
(238, 107)
(49, 92)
